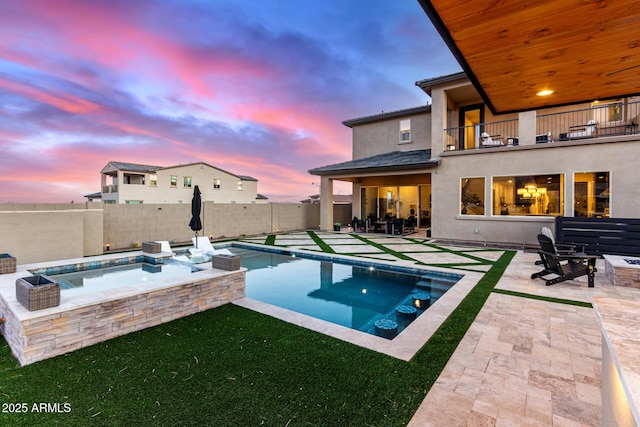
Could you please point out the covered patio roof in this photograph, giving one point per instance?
(394, 161)
(581, 50)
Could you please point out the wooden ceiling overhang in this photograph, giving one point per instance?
(511, 50)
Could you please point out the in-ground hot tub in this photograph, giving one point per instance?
(84, 319)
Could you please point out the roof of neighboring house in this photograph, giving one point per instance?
(261, 197)
(97, 195)
(135, 167)
(396, 160)
(385, 116)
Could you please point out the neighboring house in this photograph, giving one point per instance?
(473, 176)
(131, 183)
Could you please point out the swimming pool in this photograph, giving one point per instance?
(359, 297)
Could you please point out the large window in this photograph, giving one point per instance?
(528, 195)
(187, 182)
(472, 196)
(591, 194)
(174, 181)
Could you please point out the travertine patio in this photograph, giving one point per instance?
(523, 362)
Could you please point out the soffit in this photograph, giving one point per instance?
(583, 50)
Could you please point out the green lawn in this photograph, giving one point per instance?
(229, 367)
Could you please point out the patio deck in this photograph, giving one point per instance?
(523, 361)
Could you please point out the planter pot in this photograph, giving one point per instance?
(336, 228)
(226, 262)
(7, 264)
(151, 247)
(37, 292)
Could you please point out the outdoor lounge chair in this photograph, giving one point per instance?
(564, 267)
(205, 244)
(165, 246)
(562, 248)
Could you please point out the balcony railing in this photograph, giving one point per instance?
(600, 120)
(607, 119)
(483, 135)
(110, 189)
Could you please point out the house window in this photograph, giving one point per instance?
(187, 182)
(216, 184)
(174, 181)
(608, 111)
(472, 196)
(528, 195)
(405, 130)
(153, 180)
(239, 185)
(133, 202)
(591, 194)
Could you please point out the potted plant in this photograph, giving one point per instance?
(336, 226)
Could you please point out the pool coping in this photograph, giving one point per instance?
(408, 342)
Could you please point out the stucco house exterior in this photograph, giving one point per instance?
(470, 175)
(132, 183)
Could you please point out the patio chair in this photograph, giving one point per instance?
(583, 131)
(487, 140)
(565, 267)
(358, 224)
(563, 248)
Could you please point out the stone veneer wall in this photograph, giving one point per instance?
(61, 332)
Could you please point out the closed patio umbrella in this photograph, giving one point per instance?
(195, 222)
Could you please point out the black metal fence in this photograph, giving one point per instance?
(613, 236)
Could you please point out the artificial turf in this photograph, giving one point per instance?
(230, 366)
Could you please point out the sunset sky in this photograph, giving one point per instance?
(256, 88)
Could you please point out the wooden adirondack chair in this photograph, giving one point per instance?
(563, 266)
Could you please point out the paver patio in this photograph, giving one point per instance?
(523, 362)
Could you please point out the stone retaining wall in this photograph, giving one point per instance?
(58, 332)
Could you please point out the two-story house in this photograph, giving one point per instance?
(474, 176)
(131, 183)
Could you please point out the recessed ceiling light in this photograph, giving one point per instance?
(545, 92)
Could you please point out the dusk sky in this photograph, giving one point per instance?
(255, 87)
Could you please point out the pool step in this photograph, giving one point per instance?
(435, 289)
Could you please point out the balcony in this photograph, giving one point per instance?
(483, 135)
(109, 188)
(605, 119)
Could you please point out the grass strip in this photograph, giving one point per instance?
(270, 240)
(321, 244)
(543, 298)
(384, 249)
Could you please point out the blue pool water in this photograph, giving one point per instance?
(348, 295)
(106, 278)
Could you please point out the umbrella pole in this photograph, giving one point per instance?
(196, 239)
